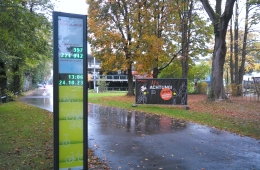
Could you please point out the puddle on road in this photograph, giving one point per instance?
(42, 102)
(134, 122)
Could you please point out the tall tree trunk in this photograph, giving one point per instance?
(220, 22)
(236, 46)
(227, 77)
(16, 84)
(155, 72)
(242, 66)
(130, 82)
(184, 61)
(231, 65)
(3, 78)
(217, 88)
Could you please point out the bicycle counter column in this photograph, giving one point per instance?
(69, 53)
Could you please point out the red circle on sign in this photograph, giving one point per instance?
(166, 94)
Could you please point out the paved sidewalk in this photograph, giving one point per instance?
(134, 140)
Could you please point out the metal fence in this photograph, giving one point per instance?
(117, 88)
(248, 92)
(110, 78)
(245, 97)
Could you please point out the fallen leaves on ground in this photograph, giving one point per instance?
(237, 107)
(94, 163)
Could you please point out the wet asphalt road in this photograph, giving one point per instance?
(133, 140)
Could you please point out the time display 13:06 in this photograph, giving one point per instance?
(71, 79)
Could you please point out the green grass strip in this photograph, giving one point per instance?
(25, 137)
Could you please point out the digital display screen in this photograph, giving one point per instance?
(70, 79)
(73, 53)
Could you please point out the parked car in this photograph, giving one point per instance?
(39, 85)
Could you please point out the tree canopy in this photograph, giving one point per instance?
(154, 33)
(25, 41)
(147, 33)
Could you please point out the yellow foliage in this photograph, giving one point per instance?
(119, 40)
(202, 87)
(234, 89)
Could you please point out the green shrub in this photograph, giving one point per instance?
(191, 88)
(102, 85)
(11, 96)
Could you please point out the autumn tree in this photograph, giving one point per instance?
(253, 27)
(111, 37)
(185, 13)
(245, 42)
(168, 31)
(247, 58)
(249, 41)
(123, 32)
(220, 21)
(147, 33)
(156, 33)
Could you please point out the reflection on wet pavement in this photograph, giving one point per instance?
(135, 140)
(42, 98)
(135, 123)
(45, 103)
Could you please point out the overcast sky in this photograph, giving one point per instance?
(71, 6)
